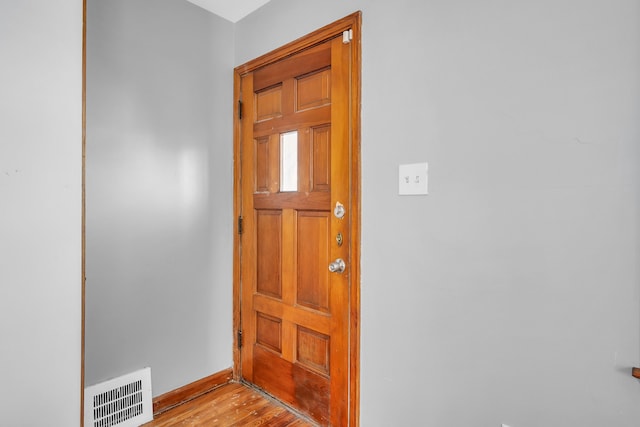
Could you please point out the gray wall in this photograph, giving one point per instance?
(511, 291)
(510, 294)
(40, 212)
(159, 193)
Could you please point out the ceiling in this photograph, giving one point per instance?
(231, 10)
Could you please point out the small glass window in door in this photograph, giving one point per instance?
(289, 161)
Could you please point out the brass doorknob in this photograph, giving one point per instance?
(337, 266)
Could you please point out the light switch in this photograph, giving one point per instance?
(412, 179)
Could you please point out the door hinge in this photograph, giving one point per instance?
(239, 338)
(239, 109)
(347, 36)
(240, 225)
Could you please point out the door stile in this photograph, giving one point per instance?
(248, 237)
(340, 194)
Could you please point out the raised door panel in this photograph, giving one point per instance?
(269, 332)
(313, 258)
(321, 158)
(313, 90)
(269, 252)
(268, 103)
(312, 350)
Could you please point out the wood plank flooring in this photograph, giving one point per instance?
(232, 404)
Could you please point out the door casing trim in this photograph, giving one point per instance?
(351, 22)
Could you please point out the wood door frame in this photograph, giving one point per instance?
(351, 22)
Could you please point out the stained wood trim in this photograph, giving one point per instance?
(323, 34)
(354, 22)
(188, 392)
(354, 338)
(635, 372)
(237, 211)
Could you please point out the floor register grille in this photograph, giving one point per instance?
(123, 402)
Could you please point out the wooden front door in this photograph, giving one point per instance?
(297, 201)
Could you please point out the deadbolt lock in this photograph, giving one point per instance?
(339, 239)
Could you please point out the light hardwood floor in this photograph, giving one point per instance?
(232, 404)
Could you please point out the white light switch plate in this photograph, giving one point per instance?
(412, 179)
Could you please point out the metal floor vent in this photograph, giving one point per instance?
(123, 402)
